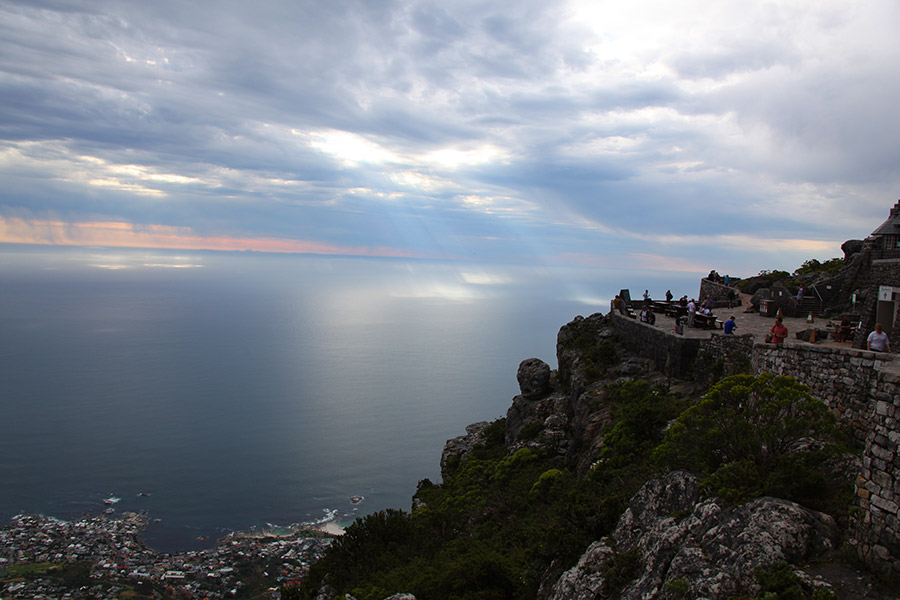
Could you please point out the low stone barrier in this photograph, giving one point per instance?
(673, 354)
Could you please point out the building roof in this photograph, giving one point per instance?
(892, 225)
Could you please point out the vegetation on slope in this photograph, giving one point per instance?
(501, 523)
(760, 436)
(811, 270)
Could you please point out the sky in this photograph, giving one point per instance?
(643, 135)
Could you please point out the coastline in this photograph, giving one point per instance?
(331, 528)
(34, 548)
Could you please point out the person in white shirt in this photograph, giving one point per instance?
(878, 340)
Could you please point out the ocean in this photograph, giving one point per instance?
(231, 391)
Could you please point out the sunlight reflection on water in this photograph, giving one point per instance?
(257, 389)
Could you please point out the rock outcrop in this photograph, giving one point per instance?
(534, 378)
(456, 449)
(701, 543)
(708, 547)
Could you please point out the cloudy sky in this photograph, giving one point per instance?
(644, 134)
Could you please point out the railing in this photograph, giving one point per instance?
(821, 299)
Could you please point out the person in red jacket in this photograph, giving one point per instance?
(778, 331)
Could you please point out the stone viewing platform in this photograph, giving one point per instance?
(751, 323)
(862, 388)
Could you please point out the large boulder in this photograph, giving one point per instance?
(851, 247)
(534, 378)
(706, 545)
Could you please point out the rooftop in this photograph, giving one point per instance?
(892, 225)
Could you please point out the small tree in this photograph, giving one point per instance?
(751, 436)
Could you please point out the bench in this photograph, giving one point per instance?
(675, 311)
(707, 321)
(659, 306)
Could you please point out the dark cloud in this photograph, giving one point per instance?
(560, 128)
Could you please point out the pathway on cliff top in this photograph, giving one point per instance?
(752, 323)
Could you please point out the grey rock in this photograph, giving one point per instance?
(632, 366)
(534, 378)
(555, 421)
(522, 412)
(711, 546)
(456, 449)
(851, 247)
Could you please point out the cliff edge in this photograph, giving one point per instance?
(606, 479)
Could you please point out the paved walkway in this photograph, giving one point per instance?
(751, 323)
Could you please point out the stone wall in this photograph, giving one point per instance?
(721, 294)
(723, 355)
(841, 378)
(877, 531)
(881, 272)
(673, 354)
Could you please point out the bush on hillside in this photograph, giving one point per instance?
(753, 436)
(500, 523)
(812, 266)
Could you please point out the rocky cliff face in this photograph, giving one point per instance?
(565, 410)
(672, 542)
(699, 547)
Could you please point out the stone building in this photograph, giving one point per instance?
(872, 278)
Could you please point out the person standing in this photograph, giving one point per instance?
(800, 295)
(691, 309)
(878, 340)
(779, 331)
(668, 295)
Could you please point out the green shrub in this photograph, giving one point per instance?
(596, 355)
(506, 465)
(530, 431)
(598, 358)
(619, 570)
(679, 588)
(640, 413)
(545, 483)
(829, 267)
(745, 437)
(779, 582)
(497, 523)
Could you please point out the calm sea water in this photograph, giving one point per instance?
(221, 392)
